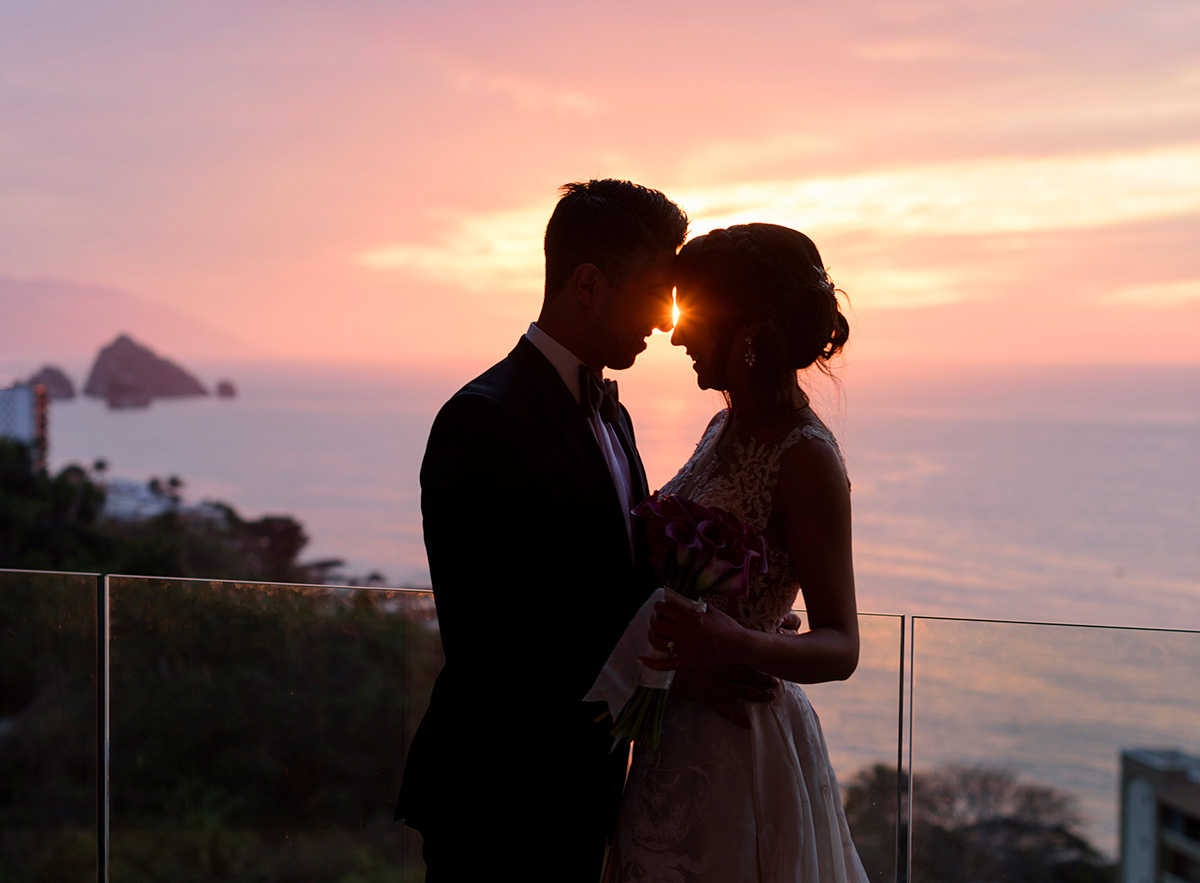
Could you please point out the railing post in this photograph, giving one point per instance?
(102, 684)
(903, 783)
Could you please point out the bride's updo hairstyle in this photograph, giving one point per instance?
(771, 279)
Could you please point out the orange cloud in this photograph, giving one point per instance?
(1156, 294)
(501, 250)
(973, 197)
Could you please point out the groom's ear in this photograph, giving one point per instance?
(584, 282)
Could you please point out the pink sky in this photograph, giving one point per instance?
(989, 180)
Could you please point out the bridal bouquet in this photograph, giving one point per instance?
(700, 549)
(696, 550)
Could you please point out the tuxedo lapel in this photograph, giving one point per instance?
(624, 429)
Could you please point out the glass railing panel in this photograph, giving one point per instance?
(48, 748)
(258, 731)
(860, 720)
(1048, 751)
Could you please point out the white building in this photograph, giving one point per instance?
(23, 417)
(1160, 816)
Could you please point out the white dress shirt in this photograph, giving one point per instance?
(567, 365)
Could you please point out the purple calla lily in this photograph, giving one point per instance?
(695, 550)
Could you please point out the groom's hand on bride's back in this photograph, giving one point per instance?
(725, 689)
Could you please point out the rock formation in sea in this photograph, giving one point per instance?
(226, 389)
(58, 384)
(128, 374)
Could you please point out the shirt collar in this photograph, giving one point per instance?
(565, 362)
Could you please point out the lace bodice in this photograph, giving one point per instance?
(746, 487)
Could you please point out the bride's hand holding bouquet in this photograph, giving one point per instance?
(686, 637)
(696, 551)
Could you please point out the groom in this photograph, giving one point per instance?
(537, 566)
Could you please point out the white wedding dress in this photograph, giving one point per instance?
(716, 802)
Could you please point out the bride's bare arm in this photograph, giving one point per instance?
(812, 500)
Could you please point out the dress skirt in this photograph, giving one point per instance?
(716, 802)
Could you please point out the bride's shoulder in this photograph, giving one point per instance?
(812, 450)
(812, 478)
(809, 427)
(713, 429)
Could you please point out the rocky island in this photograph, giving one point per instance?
(58, 385)
(129, 375)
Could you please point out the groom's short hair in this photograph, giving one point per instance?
(608, 223)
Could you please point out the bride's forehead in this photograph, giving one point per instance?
(694, 296)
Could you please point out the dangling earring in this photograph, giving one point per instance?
(749, 350)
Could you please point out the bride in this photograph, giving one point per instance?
(719, 801)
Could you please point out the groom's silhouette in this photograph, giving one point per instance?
(528, 479)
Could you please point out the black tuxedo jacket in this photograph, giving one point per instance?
(534, 581)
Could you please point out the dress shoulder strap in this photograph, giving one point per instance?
(717, 421)
(814, 427)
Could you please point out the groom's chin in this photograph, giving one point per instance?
(621, 361)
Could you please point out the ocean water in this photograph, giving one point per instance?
(1046, 494)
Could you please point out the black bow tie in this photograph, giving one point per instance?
(596, 395)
